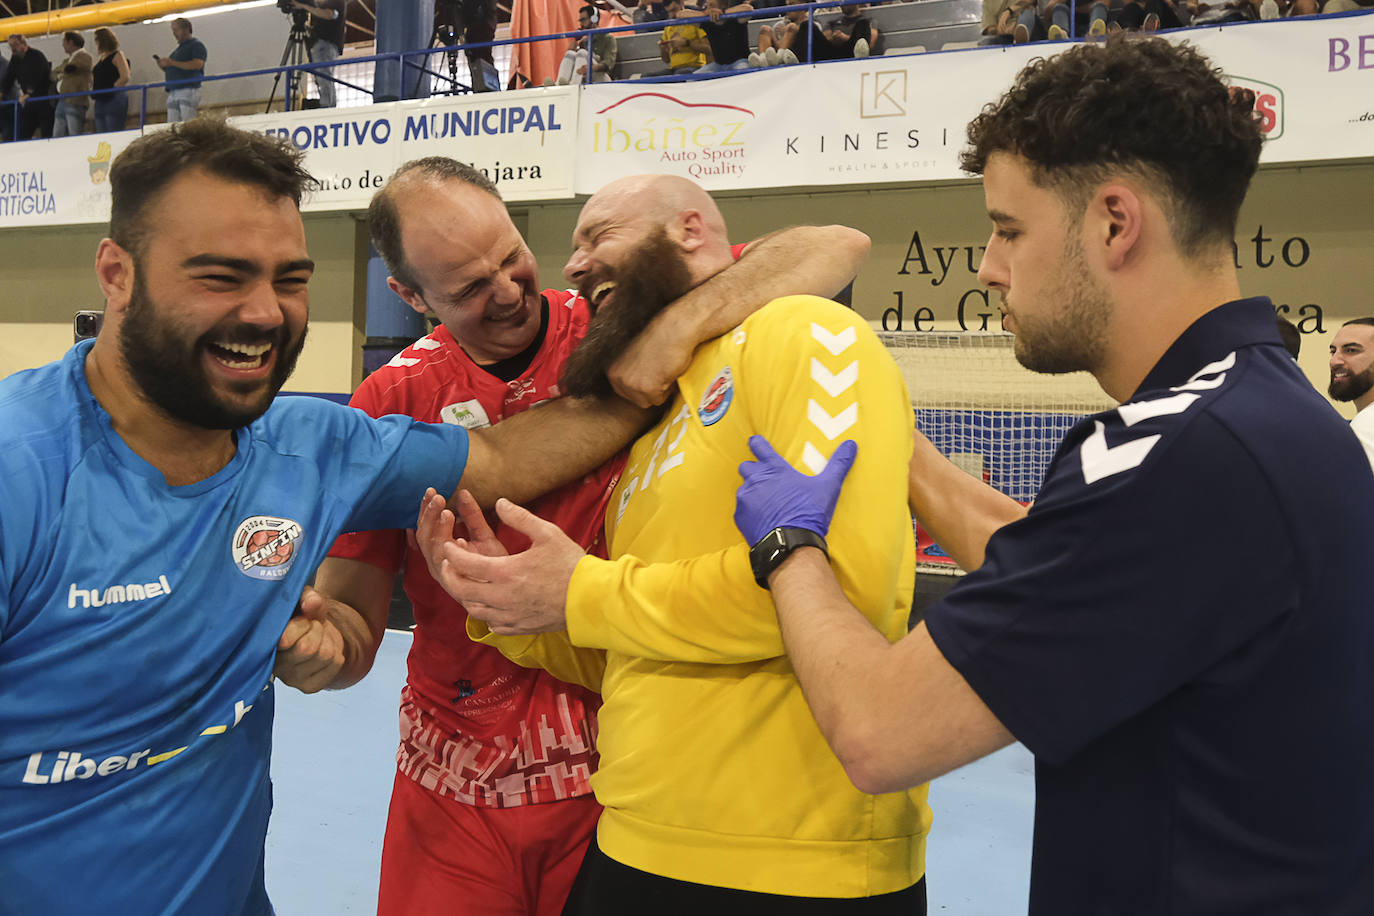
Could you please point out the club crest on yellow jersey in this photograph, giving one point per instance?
(716, 401)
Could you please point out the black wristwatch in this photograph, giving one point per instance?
(775, 546)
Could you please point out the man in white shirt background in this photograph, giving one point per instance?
(1352, 376)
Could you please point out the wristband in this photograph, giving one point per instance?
(775, 546)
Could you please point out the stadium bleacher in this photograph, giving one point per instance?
(908, 28)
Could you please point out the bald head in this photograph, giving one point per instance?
(640, 243)
(631, 208)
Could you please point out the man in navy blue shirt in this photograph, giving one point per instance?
(1179, 627)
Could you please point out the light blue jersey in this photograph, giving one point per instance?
(138, 628)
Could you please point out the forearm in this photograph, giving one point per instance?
(960, 511)
(541, 449)
(895, 714)
(702, 610)
(801, 260)
(360, 644)
(361, 596)
(833, 649)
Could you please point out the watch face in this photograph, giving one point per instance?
(774, 547)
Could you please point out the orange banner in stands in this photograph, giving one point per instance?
(539, 60)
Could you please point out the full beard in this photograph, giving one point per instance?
(651, 277)
(165, 365)
(1352, 387)
(1075, 339)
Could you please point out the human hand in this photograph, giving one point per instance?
(480, 537)
(582, 70)
(514, 594)
(715, 13)
(310, 652)
(646, 372)
(775, 495)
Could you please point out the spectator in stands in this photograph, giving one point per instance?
(72, 75)
(1207, 12)
(1000, 18)
(682, 47)
(111, 70)
(575, 66)
(183, 68)
(328, 18)
(6, 112)
(785, 41)
(1148, 15)
(1041, 19)
(474, 22)
(853, 34)
(29, 70)
(729, 38)
(1339, 6)
(650, 11)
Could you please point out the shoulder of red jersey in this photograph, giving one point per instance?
(395, 386)
(567, 298)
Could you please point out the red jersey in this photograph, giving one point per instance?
(475, 726)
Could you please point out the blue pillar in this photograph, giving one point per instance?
(391, 325)
(402, 25)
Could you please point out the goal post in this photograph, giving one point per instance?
(987, 413)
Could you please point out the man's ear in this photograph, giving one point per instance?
(114, 271)
(1115, 223)
(689, 230)
(410, 297)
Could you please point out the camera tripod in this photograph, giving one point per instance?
(454, 19)
(445, 36)
(296, 52)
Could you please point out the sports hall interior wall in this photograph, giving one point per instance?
(1304, 239)
(247, 39)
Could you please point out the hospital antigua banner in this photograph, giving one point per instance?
(59, 182)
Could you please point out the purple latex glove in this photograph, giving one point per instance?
(775, 495)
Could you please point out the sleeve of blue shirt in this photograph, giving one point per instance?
(1110, 595)
(378, 468)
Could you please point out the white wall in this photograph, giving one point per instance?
(250, 39)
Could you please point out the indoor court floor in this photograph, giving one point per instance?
(335, 759)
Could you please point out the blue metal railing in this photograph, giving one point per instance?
(417, 62)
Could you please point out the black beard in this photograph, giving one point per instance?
(652, 276)
(1352, 388)
(166, 366)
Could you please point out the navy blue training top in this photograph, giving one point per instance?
(1181, 631)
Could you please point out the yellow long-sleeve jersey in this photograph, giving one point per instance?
(712, 768)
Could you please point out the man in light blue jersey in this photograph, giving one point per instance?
(161, 516)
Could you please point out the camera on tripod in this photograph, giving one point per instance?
(298, 17)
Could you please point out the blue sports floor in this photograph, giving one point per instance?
(334, 762)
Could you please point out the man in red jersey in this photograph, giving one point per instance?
(492, 808)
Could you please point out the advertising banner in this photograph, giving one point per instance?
(349, 151)
(1312, 80)
(902, 119)
(873, 121)
(58, 182)
(522, 141)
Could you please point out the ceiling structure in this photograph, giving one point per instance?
(362, 14)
